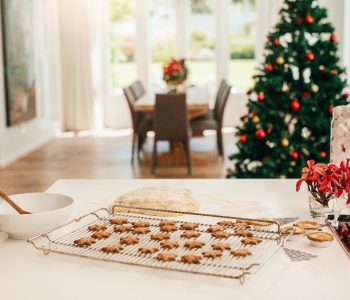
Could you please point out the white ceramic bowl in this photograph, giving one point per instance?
(48, 211)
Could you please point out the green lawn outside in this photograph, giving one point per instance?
(201, 73)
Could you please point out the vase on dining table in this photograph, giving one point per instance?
(320, 210)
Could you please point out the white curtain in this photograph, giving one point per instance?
(82, 61)
(267, 18)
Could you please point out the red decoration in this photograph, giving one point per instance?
(310, 56)
(323, 154)
(307, 94)
(299, 21)
(294, 155)
(309, 19)
(334, 72)
(261, 97)
(260, 134)
(332, 38)
(346, 96)
(277, 42)
(249, 92)
(268, 67)
(330, 110)
(242, 118)
(243, 139)
(295, 105)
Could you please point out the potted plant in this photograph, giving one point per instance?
(175, 73)
(325, 183)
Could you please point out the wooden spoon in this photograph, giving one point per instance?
(13, 204)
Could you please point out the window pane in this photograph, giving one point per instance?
(202, 67)
(123, 37)
(242, 30)
(162, 30)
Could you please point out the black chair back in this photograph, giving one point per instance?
(130, 98)
(222, 103)
(137, 89)
(170, 119)
(218, 97)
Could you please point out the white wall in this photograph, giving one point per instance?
(19, 140)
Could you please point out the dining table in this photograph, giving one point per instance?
(26, 273)
(197, 99)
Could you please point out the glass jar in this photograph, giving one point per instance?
(320, 211)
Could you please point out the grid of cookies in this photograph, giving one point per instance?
(221, 248)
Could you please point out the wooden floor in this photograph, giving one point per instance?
(106, 156)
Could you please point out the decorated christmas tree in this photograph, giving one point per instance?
(291, 104)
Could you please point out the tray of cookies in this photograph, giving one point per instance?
(208, 244)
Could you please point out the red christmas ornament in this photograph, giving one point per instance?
(268, 68)
(294, 155)
(243, 139)
(332, 38)
(260, 134)
(334, 72)
(295, 105)
(323, 154)
(309, 19)
(277, 42)
(330, 110)
(310, 56)
(261, 97)
(346, 96)
(307, 94)
(299, 21)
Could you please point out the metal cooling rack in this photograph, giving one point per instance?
(61, 240)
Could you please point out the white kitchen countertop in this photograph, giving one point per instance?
(26, 273)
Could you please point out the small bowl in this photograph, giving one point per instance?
(320, 239)
(48, 211)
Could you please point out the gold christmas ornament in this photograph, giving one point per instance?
(314, 88)
(256, 120)
(280, 60)
(285, 143)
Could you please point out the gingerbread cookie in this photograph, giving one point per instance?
(194, 245)
(160, 236)
(123, 228)
(165, 256)
(118, 221)
(221, 246)
(244, 233)
(167, 223)
(220, 234)
(169, 244)
(191, 259)
(215, 228)
(241, 252)
(190, 234)
(251, 241)
(226, 223)
(97, 227)
(141, 230)
(84, 242)
(101, 235)
(212, 254)
(129, 240)
(168, 228)
(112, 249)
(141, 224)
(189, 226)
(148, 250)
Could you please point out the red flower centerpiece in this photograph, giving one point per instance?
(175, 72)
(325, 183)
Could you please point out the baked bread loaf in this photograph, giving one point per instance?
(158, 197)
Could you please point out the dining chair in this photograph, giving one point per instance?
(140, 123)
(171, 124)
(138, 89)
(214, 119)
